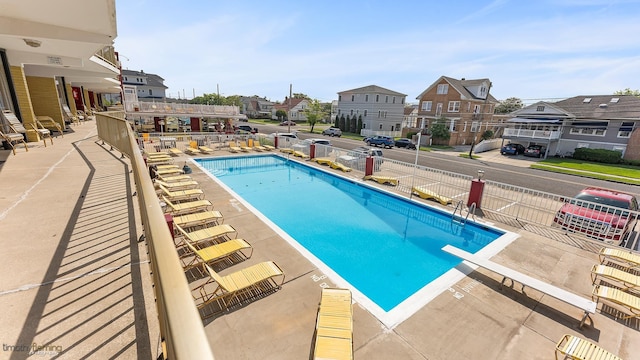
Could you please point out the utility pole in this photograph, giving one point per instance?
(475, 135)
(289, 109)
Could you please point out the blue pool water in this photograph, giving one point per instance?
(385, 246)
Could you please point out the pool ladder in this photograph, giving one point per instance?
(462, 221)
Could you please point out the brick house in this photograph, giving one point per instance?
(465, 105)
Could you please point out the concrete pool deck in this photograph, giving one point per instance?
(473, 319)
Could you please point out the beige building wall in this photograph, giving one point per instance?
(44, 98)
(633, 146)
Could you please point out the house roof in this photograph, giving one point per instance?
(152, 79)
(602, 106)
(373, 89)
(461, 87)
(285, 104)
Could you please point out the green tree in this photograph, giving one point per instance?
(281, 114)
(343, 121)
(488, 134)
(359, 127)
(628, 91)
(352, 124)
(314, 112)
(300, 96)
(509, 105)
(215, 99)
(439, 130)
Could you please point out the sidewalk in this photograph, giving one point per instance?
(75, 282)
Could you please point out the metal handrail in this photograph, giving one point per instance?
(181, 327)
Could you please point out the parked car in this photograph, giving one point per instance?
(380, 140)
(324, 142)
(247, 128)
(287, 135)
(332, 131)
(405, 143)
(600, 213)
(288, 122)
(535, 151)
(512, 149)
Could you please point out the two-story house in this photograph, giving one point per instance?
(465, 106)
(382, 110)
(293, 107)
(148, 86)
(256, 107)
(603, 122)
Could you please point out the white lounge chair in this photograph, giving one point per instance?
(586, 305)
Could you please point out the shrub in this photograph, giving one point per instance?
(598, 155)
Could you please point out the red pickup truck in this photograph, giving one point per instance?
(603, 214)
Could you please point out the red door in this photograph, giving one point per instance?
(77, 97)
(195, 124)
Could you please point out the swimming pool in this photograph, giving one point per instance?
(384, 246)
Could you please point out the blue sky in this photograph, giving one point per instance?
(532, 50)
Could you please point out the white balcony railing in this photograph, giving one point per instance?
(537, 134)
(182, 109)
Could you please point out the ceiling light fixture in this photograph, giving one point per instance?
(32, 42)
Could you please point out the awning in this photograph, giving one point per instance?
(534, 121)
(591, 124)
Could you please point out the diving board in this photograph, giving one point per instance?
(586, 305)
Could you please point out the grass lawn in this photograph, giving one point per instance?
(620, 173)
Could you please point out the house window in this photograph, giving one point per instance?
(365, 113)
(452, 125)
(476, 109)
(351, 112)
(464, 128)
(483, 92)
(393, 100)
(379, 113)
(426, 106)
(366, 98)
(380, 127)
(454, 106)
(353, 97)
(339, 97)
(474, 126)
(625, 129)
(386, 99)
(443, 89)
(439, 109)
(593, 128)
(397, 128)
(402, 101)
(540, 108)
(150, 92)
(377, 98)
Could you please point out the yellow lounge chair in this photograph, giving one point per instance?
(246, 284)
(157, 154)
(243, 146)
(256, 146)
(174, 178)
(182, 195)
(178, 185)
(167, 167)
(573, 347)
(205, 149)
(233, 147)
(215, 253)
(159, 161)
(425, 193)
(43, 132)
(323, 160)
(631, 260)
(339, 166)
(171, 171)
(187, 207)
(626, 300)
(629, 280)
(286, 150)
(334, 325)
(48, 123)
(268, 147)
(203, 218)
(216, 234)
(300, 154)
(383, 179)
(12, 139)
(192, 151)
(175, 152)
